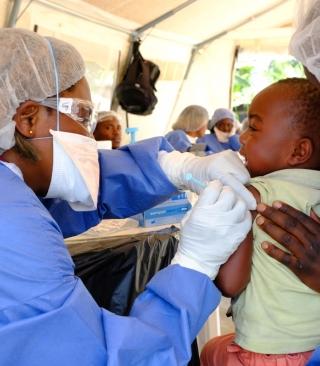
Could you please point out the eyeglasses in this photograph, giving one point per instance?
(79, 110)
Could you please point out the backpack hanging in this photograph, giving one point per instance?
(135, 92)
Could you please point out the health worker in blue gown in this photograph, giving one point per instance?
(108, 128)
(222, 132)
(47, 317)
(190, 125)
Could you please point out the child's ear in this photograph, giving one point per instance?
(302, 152)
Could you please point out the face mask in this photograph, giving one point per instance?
(222, 136)
(75, 171)
(192, 139)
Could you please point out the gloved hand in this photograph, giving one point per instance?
(212, 230)
(225, 166)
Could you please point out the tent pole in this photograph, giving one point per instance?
(232, 71)
(240, 24)
(85, 17)
(185, 76)
(163, 17)
(135, 36)
(13, 14)
(198, 46)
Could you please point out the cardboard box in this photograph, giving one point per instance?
(169, 212)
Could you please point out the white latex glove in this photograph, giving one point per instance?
(225, 166)
(212, 230)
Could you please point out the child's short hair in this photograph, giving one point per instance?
(305, 106)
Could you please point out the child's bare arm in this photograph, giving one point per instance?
(234, 275)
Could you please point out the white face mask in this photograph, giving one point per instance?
(192, 139)
(222, 136)
(75, 171)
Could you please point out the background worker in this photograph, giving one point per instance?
(222, 127)
(190, 125)
(108, 128)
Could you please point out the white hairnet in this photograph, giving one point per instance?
(218, 115)
(192, 118)
(305, 43)
(103, 115)
(27, 73)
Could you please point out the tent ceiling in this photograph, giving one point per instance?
(200, 20)
(203, 18)
(141, 11)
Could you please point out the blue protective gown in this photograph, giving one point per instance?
(215, 146)
(131, 181)
(315, 359)
(179, 140)
(48, 318)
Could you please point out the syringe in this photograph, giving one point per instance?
(190, 177)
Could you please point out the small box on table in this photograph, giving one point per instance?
(169, 212)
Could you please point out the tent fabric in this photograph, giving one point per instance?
(101, 29)
(208, 17)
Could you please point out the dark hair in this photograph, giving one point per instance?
(24, 148)
(305, 106)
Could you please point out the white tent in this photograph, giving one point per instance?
(193, 42)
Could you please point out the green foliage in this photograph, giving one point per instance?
(242, 78)
(241, 89)
(250, 79)
(278, 70)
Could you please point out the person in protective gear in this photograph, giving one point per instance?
(47, 317)
(222, 132)
(190, 125)
(108, 128)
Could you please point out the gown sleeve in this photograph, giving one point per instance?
(131, 181)
(315, 358)
(234, 142)
(164, 321)
(178, 139)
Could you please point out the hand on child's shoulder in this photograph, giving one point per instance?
(314, 216)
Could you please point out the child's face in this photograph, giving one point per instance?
(269, 140)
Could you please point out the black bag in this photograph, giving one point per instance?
(135, 93)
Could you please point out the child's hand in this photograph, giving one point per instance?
(297, 232)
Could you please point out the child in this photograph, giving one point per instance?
(277, 318)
